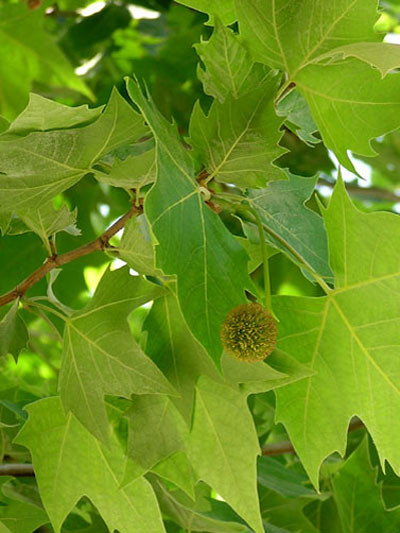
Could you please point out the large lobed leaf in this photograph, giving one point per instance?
(70, 463)
(229, 68)
(349, 101)
(100, 354)
(350, 339)
(38, 166)
(290, 35)
(356, 494)
(193, 243)
(224, 448)
(238, 140)
(293, 228)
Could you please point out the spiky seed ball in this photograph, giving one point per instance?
(249, 332)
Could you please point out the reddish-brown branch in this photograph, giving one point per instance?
(58, 260)
(17, 470)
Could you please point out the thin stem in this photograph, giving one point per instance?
(58, 260)
(264, 253)
(38, 312)
(17, 470)
(285, 89)
(248, 210)
(50, 310)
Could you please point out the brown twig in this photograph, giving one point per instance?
(17, 470)
(58, 260)
(279, 448)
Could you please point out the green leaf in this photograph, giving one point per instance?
(156, 430)
(389, 485)
(229, 67)
(211, 267)
(339, 95)
(5, 220)
(136, 247)
(70, 463)
(224, 447)
(173, 348)
(298, 117)
(42, 114)
(258, 377)
(284, 515)
(45, 221)
(236, 371)
(134, 172)
(21, 517)
(177, 469)
(13, 333)
(293, 228)
(29, 53)
(39, 166)
(350, 339)
(290, 35)
(197, 515)
(4, 124)
(275, 476)
(223, 9)
(357, 496)
(101, 356)
(238, 141)
(351, 104)
(384, 56)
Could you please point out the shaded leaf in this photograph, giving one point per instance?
(275, 476)
(173, 348)
(211, 267)
(283, 515)
(224, 447)
(45, 221)
(100, 354)
(156, 429)
(177, 469)
(136, 247)
(43, 114)
(229, 67)
(198, 515)
(357, 497)
(133, 172)
(70, 463)
(298, 117)
(296, 230)
(40, 165)
(20, 517)
(350, 339)
(13, 333)
(237, 141)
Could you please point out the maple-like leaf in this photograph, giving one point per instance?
(210, 265)
(71, 463)
(100, 354)
(349, 338)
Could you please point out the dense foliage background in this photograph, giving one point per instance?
(114, 389)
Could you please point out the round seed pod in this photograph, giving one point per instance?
(249, 332)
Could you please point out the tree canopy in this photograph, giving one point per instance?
(199, 266)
